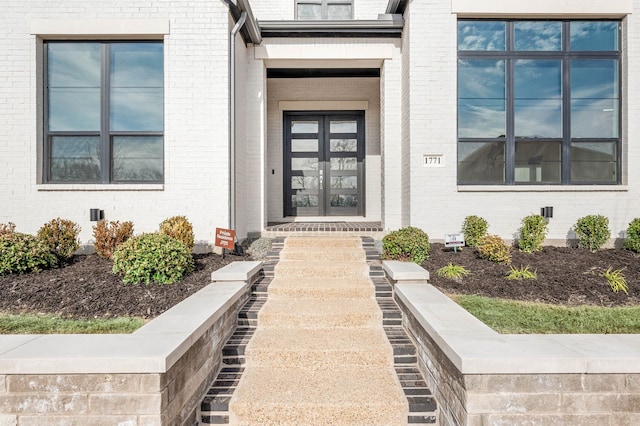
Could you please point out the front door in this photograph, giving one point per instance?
(324, 164)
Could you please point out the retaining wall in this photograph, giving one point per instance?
(155, 376)
(480, 377)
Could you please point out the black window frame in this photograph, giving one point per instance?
(509, 55)
(105, 134)
(325, 7)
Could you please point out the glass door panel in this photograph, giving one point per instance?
(324, 164)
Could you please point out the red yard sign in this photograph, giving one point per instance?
(225, 238)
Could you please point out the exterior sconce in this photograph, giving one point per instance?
(96, 215)
(546, 212)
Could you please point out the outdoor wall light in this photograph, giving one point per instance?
(96, 215)
(546, 212)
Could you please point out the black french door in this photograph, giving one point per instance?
(324, 163)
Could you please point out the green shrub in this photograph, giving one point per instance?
(407, 244)
(524, 273)
(180, 228)
(61, 236)
(474, 228)
(109, 235)
(632, 242)
(592, 232)
(151, 258)
(493, 248)
(453, 272)
(532, 233)
(21, 253)
(7, 228)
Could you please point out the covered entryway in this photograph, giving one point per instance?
(324, 163)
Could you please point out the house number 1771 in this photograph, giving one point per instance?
(433, 160)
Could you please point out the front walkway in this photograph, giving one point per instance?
(320, 354)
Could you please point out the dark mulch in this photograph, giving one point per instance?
(567, 276)
(86, 288)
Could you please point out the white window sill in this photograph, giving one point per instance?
(543, 188)
(100, 187)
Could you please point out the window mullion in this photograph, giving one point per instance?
(510, 149)
(105, 150)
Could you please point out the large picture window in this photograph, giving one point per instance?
(104, 112)
(324, 9)
(538, 102)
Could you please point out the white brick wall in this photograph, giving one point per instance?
(436, 204)
(196, 135)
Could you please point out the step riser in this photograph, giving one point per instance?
(324, 255)
(309, 321)
(321, 293)
(316, 359)
(314, 414)
(288, 270)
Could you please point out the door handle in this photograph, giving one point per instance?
(321, 179)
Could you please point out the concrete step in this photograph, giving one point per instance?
(322, 254)
(314, 313)
(322, 288)
(333, 396)
(322, 242)
(278, 347)
(327, 269)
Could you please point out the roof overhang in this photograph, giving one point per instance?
(385, 26)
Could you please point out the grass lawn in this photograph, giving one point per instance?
(513, 317)
(48, 324)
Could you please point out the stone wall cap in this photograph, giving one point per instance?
(236, 271)
(405, 271)
(474, 348)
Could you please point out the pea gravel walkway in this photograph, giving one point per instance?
(320, 355)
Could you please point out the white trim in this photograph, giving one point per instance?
(543, 188)
(540, 8)
(323, 105)
(52, 28)
(342, 51)
(100, 187)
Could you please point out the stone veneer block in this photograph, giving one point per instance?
(8, 420)
(405, 271)
(236, 271)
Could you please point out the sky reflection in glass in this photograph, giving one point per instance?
(594, 98)
(481, 35)
(73, 79)
(594, 35)
(538, 98)
(538, 35)
(137, 81)
(481, 98)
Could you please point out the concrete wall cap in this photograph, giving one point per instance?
(236, 271)
(405, 271)
(474, 348)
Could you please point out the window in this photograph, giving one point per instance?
(104, 112)
(538, 102)
(324, 9)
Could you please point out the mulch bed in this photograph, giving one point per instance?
(567, 276)
(86, 288)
